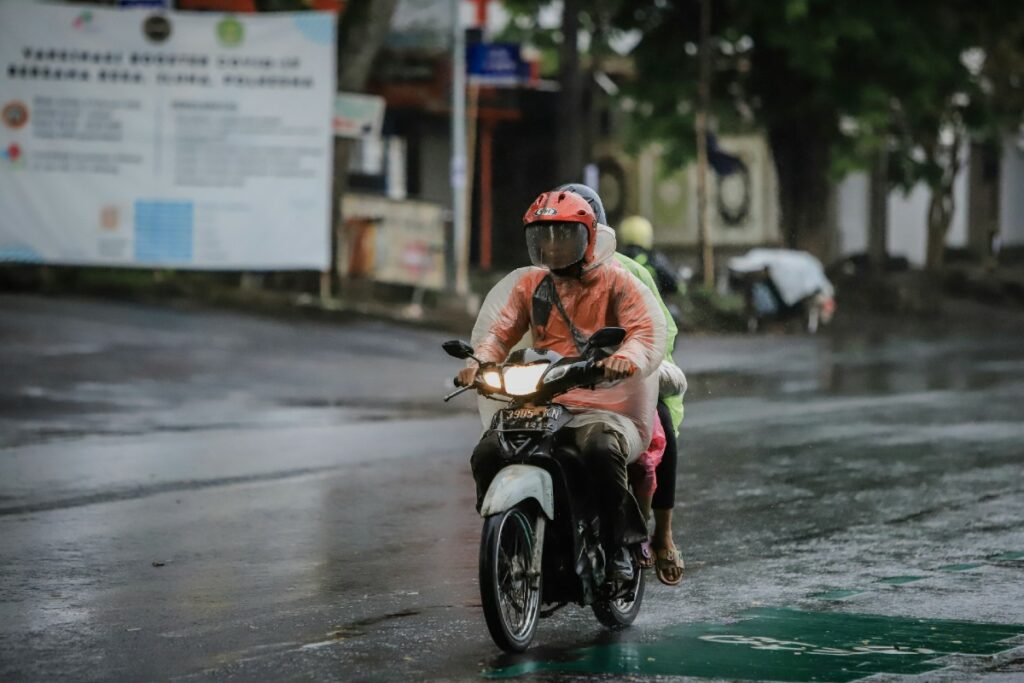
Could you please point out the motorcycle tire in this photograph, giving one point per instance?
(619, 614)
(510, 598)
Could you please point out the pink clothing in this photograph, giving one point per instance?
(642, 471)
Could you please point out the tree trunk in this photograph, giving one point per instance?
(801, 152)
(941, 206)
(361, 33)
(570, 120)
(878, 216)
(940, 215)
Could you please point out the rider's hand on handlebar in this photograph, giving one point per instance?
(616, 367)
(466, 376)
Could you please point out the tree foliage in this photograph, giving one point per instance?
(833, 81)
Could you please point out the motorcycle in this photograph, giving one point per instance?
(540, 545)
(781, 285)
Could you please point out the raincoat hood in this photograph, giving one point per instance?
(604, 247)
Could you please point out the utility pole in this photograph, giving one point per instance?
(703, 107)
(460, 234)
(570, 110)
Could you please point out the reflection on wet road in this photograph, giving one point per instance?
(191, 494)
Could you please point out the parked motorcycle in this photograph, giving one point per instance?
(540, 546)
(783, 284)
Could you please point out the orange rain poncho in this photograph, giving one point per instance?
(605, 295)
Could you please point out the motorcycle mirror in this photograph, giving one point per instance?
(606, 336)
(458, 349)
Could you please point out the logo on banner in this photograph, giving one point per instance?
(230, 32)
(82, 20)
(157, 28)
(110, 218)
(14, 114)
(14, 156)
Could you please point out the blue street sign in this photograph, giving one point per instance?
(496, 64)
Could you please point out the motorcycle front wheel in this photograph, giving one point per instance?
(509, 593)
(620, 613)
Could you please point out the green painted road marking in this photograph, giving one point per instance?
(836, 594)
(959, 567)
(1010, 556)
(900, 580)
(784, 645)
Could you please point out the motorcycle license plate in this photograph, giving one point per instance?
(526, 413)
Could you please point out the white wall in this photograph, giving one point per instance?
(1011, 193)
(853, 208)
(908, 216)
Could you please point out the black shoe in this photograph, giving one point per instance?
(620, 566)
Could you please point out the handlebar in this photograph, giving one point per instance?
(581, 373)
(477, 382)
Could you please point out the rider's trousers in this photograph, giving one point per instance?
(604, 451)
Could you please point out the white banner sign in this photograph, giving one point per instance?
(171, 139)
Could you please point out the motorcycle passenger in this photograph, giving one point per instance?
(635, 238)
(572, 290)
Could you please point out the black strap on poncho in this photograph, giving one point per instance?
(546, 296)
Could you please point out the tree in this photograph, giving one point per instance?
(955, 78)
(837, 84)
(562, 48)
(774, 67)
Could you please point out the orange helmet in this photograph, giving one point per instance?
(561, 230)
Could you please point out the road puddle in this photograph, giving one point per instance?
(960, 567)
(1009, 557)
(901, 580)
(837, 594)
(784, 645)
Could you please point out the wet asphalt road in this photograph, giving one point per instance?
(189, 494)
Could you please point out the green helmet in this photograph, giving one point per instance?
(636, 230)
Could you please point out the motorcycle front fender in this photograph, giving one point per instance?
(517, 483)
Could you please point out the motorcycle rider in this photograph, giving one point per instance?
(573, 290)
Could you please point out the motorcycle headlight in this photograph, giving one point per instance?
(492, 378)
(522, 380)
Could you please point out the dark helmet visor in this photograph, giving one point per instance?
(556, 245)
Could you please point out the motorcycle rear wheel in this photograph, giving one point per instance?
(619, 614)
(510, 596)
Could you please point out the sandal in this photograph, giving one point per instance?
(667, 559)
(645, 555)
